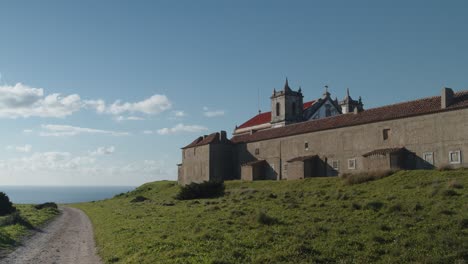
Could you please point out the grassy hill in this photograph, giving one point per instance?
(411, 216)
(13, 227)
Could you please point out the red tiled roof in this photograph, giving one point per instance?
(266, 117)
(401, 110)
(384, 151)
(200, 141)
(303, 158)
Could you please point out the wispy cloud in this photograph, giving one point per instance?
(24, 149)
(23, 101)
(212, 113)
(128, 118)
(148, 132)
(180, 128)
(66, 130)
(153, 105)
(179, 113)
(103, 151)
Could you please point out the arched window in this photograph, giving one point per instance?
(278, 109)
(294, 108)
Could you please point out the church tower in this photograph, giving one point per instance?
(286, 106)
(348, 105)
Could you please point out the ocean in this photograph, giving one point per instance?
(61, 194)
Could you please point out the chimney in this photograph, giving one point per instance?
(446, 97)
(222, 136)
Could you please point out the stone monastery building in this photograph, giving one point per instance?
(327, 137)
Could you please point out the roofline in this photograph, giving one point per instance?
(364, 123)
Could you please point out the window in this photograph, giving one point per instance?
(352, 164)
(455, 157)
(306, 145)
(257, 151)
(336, 165)
(294, 108)
(278, 109)
(285, 167)
(386, 133)
(194, 151)
(429, 157)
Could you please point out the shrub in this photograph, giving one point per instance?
(201, 190)
(265, 219)
(139, 199)
(449, 192)
(445, 167)
(374, 205)
(455, 185)
(6, 207)
(46, 205)
(357, 178)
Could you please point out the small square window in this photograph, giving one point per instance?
(306, 146)
(352, 164)
(257, 151)
(455, 157)
(386, 133)
(429, 157)
(336, 165)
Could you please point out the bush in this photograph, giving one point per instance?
(265, 219)
(201, 190)
(445, 167)
(46, 205)
(139, 199)
(357, 178)
(455, 185)
(6, 207)
(374, 205)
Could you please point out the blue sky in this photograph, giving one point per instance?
(140, 79)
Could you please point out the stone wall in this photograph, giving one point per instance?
(196, 165)
(438, 133)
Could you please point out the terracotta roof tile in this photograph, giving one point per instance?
(401, 110)
(384, 151)
(263, 118)
(200, 141)
(303, 158)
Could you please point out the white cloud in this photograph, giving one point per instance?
(153, 105)
(212, 113)
(103, 151)
(24, 149)
(128, 118)
(24, 101)
(179, 113)
(27, 131)
(181, 128)
(66, 130)
(148, 132)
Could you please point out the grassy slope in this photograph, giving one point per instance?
(10, 234)
(320, 220)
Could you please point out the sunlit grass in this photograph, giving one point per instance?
(411, 216)
(13, 227)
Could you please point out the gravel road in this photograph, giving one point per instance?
(67, 239)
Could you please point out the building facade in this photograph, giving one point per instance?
(422, 134)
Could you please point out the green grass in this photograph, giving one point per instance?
(14, 227)
(408, 217)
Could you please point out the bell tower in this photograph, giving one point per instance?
(286, 106)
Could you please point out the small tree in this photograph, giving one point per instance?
(202, 190)
(6, 207)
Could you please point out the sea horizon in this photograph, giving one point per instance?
(63, 194)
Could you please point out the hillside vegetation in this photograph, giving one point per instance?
(15, 225)
(408, 217)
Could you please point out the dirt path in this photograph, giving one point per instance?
(67, 239)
